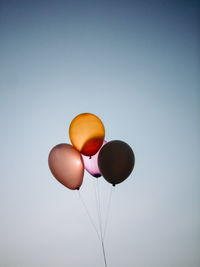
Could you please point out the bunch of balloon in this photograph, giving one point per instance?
(114, 160)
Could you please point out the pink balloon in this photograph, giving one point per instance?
(66, 165)
(91, 163)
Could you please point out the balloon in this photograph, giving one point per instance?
(87, 133)
(116, 161)
(91, 164)
(66, 165)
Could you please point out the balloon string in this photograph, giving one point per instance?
(108, 212)
(97, 204)
(99, 207)
(89, 216)
(104, 254)
(100, 223)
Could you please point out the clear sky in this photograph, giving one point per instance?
(135, 64)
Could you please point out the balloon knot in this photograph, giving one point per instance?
(113, 184)
(77, 188)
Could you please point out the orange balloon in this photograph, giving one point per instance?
(87, 133)
(66, 165)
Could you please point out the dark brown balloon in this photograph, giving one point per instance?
(116, 161)
(66, 165)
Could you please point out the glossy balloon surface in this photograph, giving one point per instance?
(91, 163)
(116, 161)
(87, 133)
(66, 165)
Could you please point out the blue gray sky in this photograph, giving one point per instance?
(135, 64)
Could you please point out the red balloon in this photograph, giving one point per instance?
(66, 165)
